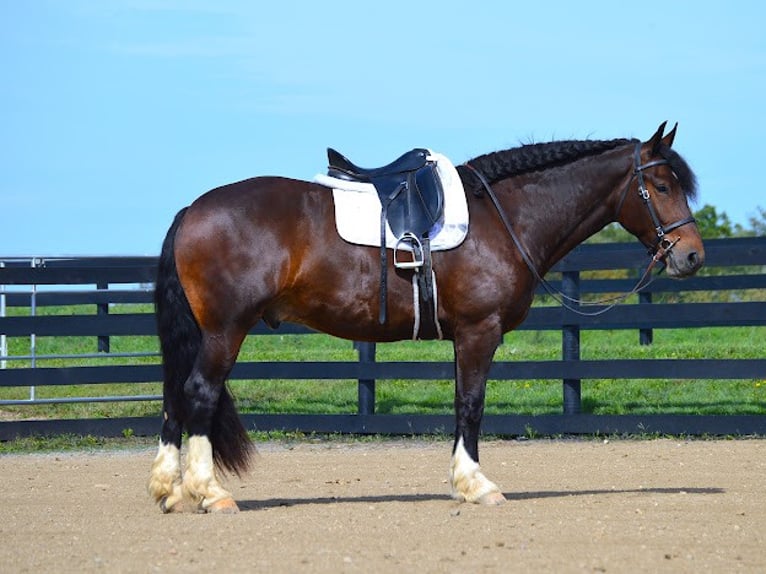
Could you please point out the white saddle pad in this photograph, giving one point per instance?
(357, 210)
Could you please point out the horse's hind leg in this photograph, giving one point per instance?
(165, 478)
(202, 391)
(474, 350)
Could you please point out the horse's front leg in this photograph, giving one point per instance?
(474, 349)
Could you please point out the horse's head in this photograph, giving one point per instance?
(654, 205)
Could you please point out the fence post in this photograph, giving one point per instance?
(366, 387)
(32, 336)
(645, 336)
(101, 310)
(570, 343)
(3, 339)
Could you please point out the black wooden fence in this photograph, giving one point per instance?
(112, 275)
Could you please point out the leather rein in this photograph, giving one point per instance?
(659, 252)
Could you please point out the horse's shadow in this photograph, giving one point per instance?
(250, 505)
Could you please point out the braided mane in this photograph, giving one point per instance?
(540, 156)
(499, 165)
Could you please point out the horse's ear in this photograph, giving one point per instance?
(655, 140)
(670, 136)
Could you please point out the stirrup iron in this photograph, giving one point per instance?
(412, 241)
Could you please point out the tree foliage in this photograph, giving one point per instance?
(758, 223)
(711, 223)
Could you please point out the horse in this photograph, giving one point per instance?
(266, 249)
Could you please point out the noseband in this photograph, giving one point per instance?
(663, 245)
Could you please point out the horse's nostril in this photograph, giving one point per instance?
(693, 259)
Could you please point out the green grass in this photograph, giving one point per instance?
(530, 396)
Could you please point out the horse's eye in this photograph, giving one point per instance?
(662, 188)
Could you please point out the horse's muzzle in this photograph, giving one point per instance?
(682, 261)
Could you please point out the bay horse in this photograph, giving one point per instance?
(267, 249)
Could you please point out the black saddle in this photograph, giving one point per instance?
(412, 202)
(409, 189)
(341, 166)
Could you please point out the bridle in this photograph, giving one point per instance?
(659, 251)
(663, 244)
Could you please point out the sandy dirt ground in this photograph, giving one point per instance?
(573, 506)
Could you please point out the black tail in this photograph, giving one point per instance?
(180, 341)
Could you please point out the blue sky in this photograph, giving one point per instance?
(115, 114)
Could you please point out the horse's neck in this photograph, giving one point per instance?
(566, 213)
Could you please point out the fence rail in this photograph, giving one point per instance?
(127, 280)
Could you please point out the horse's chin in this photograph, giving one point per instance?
(674, 273)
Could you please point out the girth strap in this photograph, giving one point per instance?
(426, 283)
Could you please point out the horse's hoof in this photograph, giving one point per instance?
(492, 499)
(168, 508)
(225, 506)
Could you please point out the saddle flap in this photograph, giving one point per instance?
(430, 188)
(412, 202)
